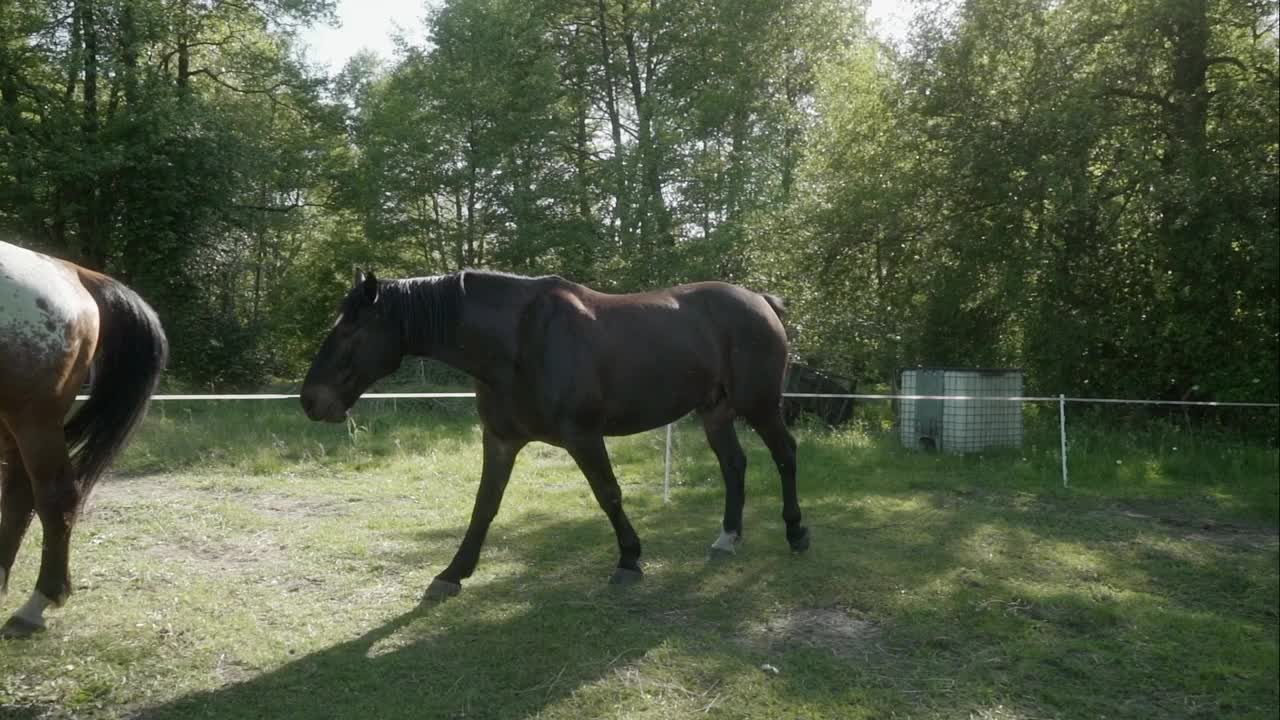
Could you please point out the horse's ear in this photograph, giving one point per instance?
(371, 287)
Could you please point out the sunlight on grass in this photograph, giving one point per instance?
(243, 563)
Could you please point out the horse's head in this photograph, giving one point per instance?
(363, 346)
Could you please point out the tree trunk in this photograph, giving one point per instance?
(471, 198)
(1187, 222)
(622, 201)
(789, 136)
(129, 52)
(651, 223)
(92, 241)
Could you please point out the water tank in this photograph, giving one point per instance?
(960, 425)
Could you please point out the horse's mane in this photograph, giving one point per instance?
(428, 308)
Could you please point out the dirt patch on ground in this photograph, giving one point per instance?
(206, 543)
(164, 489)
(1207, 529)
(257, 555)
(116, 489)
(1233, 535)
(843, 633)
(295, 506)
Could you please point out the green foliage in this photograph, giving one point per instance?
(1085, 189)
(168, 145)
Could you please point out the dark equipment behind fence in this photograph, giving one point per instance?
(802, 378)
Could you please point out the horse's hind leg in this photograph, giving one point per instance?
(57, 501)
(723, 439)
(593, 459)
(16, 504)
(782, 446)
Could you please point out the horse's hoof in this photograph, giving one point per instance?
(716, 554)
(625, 576)
(725, 546)
(441, 590)
(800, 542)
(17, 627)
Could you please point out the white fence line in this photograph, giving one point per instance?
(1061, 401)
(1031, 399)
(989, 398)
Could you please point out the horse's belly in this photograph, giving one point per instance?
(645, 401)
(632, 424)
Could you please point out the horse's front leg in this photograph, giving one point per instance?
(593, 459)
(499, 458)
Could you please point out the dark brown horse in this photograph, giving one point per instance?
(58, 320)
(807, 379)
(560, 363)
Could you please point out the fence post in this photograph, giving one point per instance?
(666, 475)
(1062, 430)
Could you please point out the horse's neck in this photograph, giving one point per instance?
(484, 345)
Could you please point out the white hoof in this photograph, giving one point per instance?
(32, 612)
(727, 542)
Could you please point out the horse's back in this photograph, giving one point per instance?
(652, 357)
(48, 321)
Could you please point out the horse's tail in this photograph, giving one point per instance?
(132, 351)
(779, 308)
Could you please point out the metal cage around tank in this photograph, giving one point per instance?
(963, 410)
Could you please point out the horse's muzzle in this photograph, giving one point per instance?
(322, 404)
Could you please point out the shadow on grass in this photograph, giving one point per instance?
(988, 585)
(511, 646)
(979, 601)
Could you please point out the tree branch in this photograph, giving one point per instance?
(1162, 102)
(202, 43)
(286, 208)
(1224, 59)
(245, 91)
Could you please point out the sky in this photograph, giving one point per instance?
(369, 24)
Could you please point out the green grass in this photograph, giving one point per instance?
(243, 562)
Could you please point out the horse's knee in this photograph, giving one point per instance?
(58, 503)
(610, 499)
(785, 458)
(788, 445)
(736, 464)
(484, 515)
(787, 465)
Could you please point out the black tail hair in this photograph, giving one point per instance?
(778, 304)
(132, 352)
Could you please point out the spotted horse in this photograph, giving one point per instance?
(59, 322)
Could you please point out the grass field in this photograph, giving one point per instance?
(244, 563)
